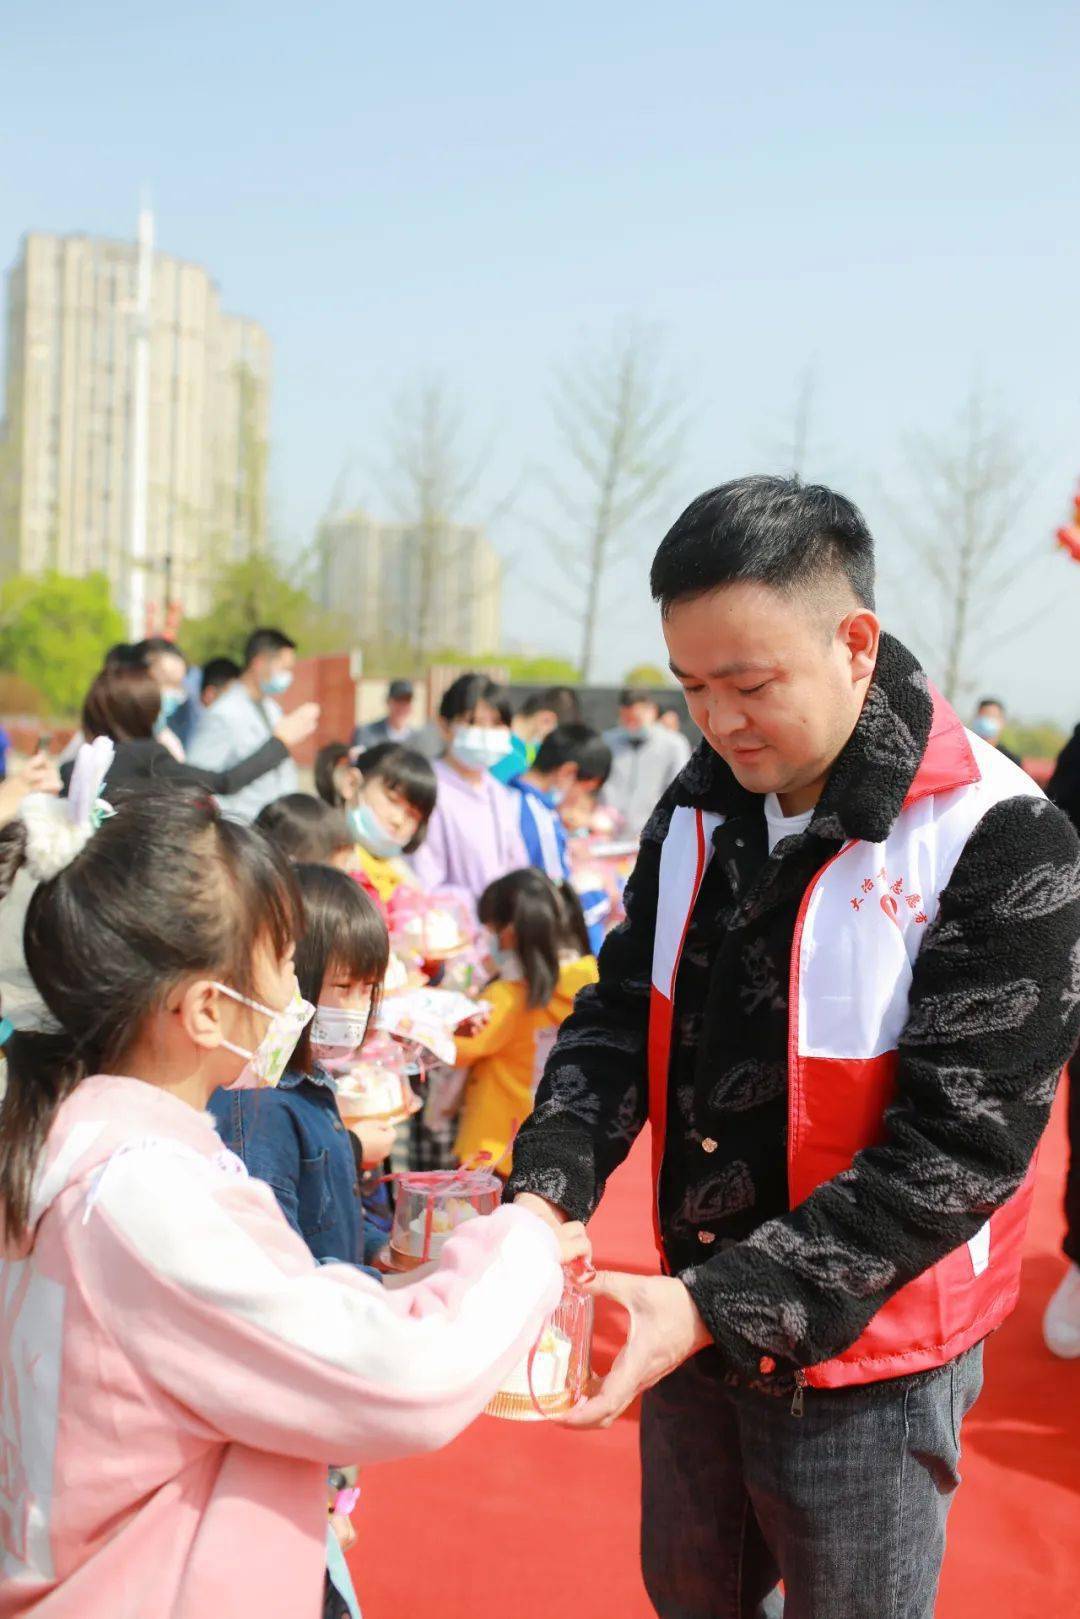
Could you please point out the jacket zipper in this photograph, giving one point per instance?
(798, 1399)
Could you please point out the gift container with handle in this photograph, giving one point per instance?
(375, 1088)
(554, 1375)
(434, 1203)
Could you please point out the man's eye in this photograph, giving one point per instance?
(750, 691)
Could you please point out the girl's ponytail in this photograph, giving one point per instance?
(575, 928)
(41, 1071)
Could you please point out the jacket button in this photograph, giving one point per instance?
(708, 1145)
(706, 1236)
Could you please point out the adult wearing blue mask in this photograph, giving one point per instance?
(646, 758)
(167, 667)
(474, 835)
(245, 717)
(989, 723)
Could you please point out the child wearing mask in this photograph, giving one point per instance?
(474, 836)
(293, 1137)
(152, 1288)
(388, 796)
(540, 951)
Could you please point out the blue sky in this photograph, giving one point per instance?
(480, 192)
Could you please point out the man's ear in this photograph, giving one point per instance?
(860, 635)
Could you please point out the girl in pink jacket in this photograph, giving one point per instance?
(176, 1371)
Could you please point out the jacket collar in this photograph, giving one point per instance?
(292, 1079)
(908, 744)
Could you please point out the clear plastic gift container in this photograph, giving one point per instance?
(376, 1086)
(429, 927)
(555, 1374)
(433, 1204)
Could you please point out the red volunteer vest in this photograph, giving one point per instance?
(859, 929)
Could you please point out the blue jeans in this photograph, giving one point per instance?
(847, 1503)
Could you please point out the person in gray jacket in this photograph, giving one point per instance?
(646, 758)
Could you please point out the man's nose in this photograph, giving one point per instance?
(725, 718)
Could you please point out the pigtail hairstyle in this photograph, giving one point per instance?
(164, 890)
(529, 902)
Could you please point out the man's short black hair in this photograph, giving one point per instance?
(630, 696)
(561, 701)
(574, 745)
(990, 702)
(219, 672)
(400, 691)
(154, 646)
(766, 530)
(266, 640)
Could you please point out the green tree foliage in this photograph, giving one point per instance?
(1037, 740)
(647, 674)
(524, 670)
(54, 633)
(258, 592)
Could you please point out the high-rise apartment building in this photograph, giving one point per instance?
(433, 588)
(70, 440)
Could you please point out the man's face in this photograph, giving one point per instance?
(990, 721)
(400, 711)
(636, 717)
(775, 683)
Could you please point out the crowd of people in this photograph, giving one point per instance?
(199, 1217)
(488, 815)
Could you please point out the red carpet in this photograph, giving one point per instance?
(516, 1522)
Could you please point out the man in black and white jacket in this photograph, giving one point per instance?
(844, 992)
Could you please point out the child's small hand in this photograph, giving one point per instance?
(343, 1529)
(376, 1142)
(574, 1244)
(472, 1026)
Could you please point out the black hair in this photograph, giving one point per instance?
(460, 700)
(164, 890)
(769, 530)
(575, 745)
(558, 700)
(546, 918)
(405, 771)
(266, 640)
(340, 927)
(326, 762)
(986, 702)
(154, 646)
(636, 694)
(304, 829)
(218, 672)
(122, 656)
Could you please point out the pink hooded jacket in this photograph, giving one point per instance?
(176, 1371)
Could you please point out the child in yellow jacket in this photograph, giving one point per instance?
(540, 949)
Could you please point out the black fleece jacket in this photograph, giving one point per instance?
(994, 1013)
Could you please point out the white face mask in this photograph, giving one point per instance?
(337, 1033)
(266, 1064)
(480, 747)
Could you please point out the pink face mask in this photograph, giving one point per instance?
(266, 1064)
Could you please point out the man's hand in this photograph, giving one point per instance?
(574, 1241)
(665, 1329)
(294, 728)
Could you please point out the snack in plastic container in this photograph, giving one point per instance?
(433, 1204)
(431, 927)
(555, 1374)
(375, 1088)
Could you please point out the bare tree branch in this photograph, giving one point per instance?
(619, 427)
(967, 541)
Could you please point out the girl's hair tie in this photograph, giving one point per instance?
(58, 829)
